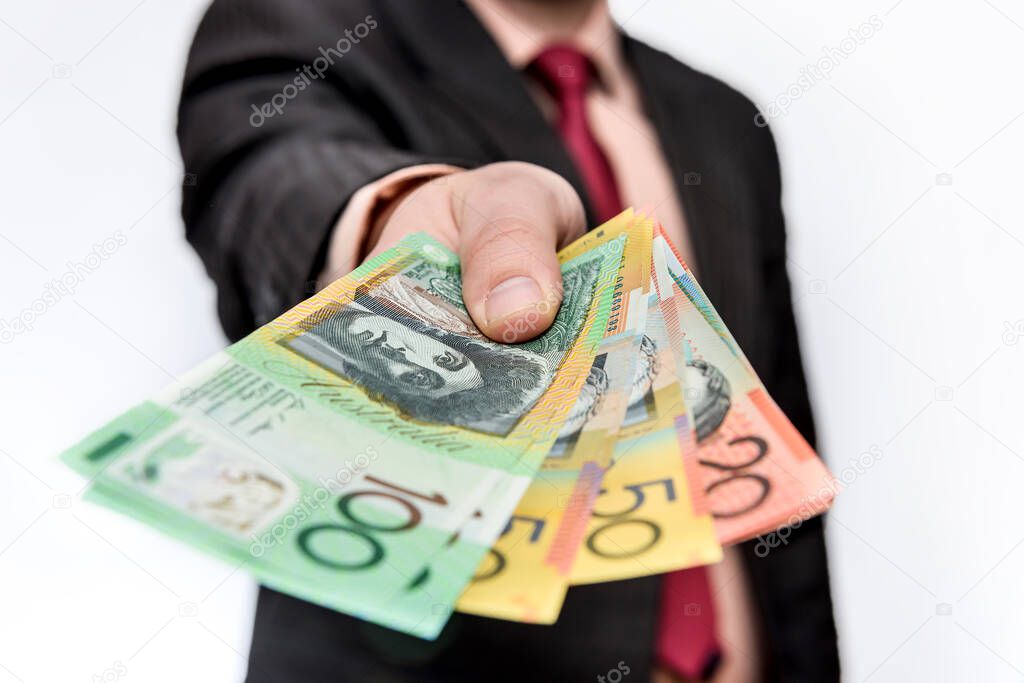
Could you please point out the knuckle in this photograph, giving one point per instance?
(525, 179)
(510, 238)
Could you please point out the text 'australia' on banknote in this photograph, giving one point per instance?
(335, 451)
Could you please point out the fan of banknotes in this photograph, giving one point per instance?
(371, 451)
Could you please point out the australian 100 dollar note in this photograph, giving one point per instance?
(335, 451)
(525, 574)
(752, 470)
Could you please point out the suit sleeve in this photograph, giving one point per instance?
(277, 134)
(347, 243)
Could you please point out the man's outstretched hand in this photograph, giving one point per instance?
(506, 221)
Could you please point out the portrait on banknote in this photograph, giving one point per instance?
(641, 397)
(709, 395)
(413, 350)
(232, 490)
(640, 405)
(586, 406)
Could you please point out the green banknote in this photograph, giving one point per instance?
(338, 450)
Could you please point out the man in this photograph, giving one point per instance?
(320, 132)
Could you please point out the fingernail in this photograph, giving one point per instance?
(514, 294)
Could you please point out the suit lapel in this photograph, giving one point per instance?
(700, 135)
(461, 60)
(720, 246)
(671, 108)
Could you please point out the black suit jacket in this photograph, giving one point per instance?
(427, 84)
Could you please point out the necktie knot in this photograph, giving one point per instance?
(564, 70)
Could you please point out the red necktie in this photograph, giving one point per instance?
(566, 72)
(686, 639)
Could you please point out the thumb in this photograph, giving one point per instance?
(512, 217)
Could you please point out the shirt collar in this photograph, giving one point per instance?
(520, 41)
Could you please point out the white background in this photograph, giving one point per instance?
(907, 284)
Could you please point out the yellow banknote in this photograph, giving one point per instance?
(526, 573)
(645, 520)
